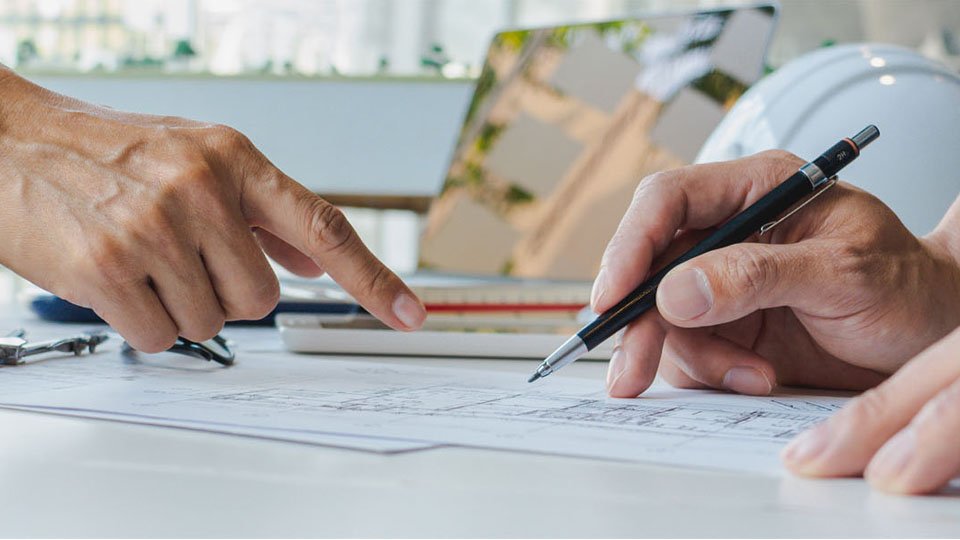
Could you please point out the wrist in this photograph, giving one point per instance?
(30, 140)
(944, 277)
(15, 97)
(946, 236)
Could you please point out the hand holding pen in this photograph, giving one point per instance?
(808, 303)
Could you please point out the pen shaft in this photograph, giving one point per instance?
(738, 229)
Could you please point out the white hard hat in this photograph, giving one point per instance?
(822, 97)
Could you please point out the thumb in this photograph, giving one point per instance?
(733, 282)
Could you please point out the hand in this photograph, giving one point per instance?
(157, 223)
(905, 432)
(837, 296)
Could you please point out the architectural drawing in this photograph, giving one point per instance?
(396, 406)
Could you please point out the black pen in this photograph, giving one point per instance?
(761, 216)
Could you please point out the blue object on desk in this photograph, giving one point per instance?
(53, 308)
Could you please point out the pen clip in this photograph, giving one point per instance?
(768, 226)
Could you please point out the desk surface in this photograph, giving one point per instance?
(72, 477)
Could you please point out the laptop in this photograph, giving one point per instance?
(566, 120)
(563, 124)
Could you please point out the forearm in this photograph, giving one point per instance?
(32, 116)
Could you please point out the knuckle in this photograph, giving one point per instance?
(328, 229)
(777, 154)
(109, 259)
(226, 138)
(653, 184)
(376, 281)
(204, 329)
(258, 302)
(937, 412)
(270, 295)
(193, 188)
(676, 380)
(190, 185)
(153, 342)
(671, 372)
(862, 266)
(156, 220)
(748, 272)
(193, 176)
(773, 164)
(865, 409)
(379, 278)
(161, 136)
(778, 157)
(155, 234)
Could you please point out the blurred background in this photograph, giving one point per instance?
(362, 100)
(369, 38)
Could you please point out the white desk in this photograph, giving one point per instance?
(70, 477)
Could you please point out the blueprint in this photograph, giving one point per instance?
(392, 407)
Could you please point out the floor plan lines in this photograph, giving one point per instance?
(328, 401)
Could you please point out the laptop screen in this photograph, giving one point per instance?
(564, 123)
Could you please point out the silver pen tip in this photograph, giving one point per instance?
(571, 349)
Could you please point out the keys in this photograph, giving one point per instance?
(14, 347)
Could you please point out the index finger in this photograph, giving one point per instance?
(844, 444)
(319, 230)
(692, 197)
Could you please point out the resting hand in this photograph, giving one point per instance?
(904, 433)
(837, 296)
(157, 223)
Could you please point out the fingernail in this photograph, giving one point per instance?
(807, 445)
(747, 380)
(893, 456)
(409, 310)
(599, 287)
(615, 370)
(685, 295)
